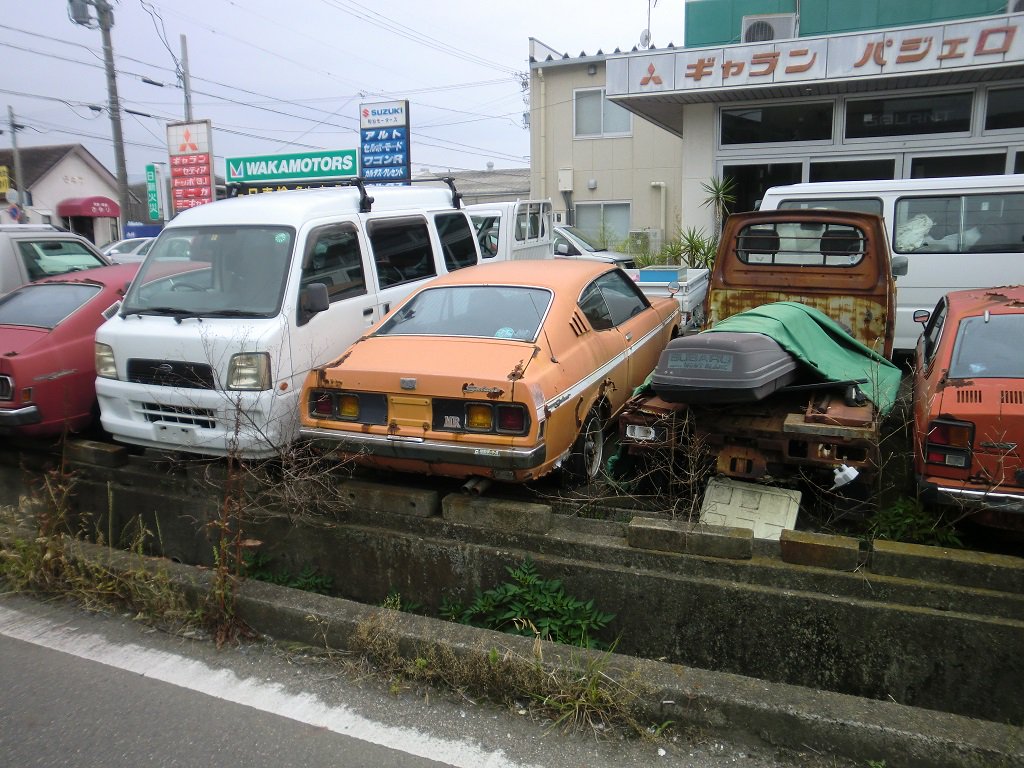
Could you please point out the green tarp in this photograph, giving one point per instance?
(821, 345)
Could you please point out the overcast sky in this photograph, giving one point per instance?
(277, 77)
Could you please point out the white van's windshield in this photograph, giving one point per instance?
(223, 271)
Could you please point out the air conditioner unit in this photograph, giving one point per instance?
(769, 26)
(644, 241)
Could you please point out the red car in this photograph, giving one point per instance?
(969, 404)
(47, 368)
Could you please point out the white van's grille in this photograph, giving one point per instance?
(172, 414)
(171, 373)
(6, 388)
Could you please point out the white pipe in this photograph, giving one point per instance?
(664, 205)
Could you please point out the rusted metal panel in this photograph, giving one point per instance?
(784, 262)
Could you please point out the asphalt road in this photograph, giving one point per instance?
(85, 689)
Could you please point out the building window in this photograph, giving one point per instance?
(753, 180)
(958, 165)
(759, 125)
(607, 223)
(851, 170)
(1005, 109)
(596, 116)
(908, 115)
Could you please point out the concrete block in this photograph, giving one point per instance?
(690, 538)
(840, 553)
(981, 570)
(96, 453)
(375, 497)
(766, 510)
(518, 516)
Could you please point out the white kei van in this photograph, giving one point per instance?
(957, 232)
(239, 298)
(519, 229)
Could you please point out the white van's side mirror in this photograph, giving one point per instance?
(562, 249)
(313, 299)
(900, 265)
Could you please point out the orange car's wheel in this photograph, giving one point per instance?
(587, 455)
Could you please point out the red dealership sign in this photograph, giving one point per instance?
(189, 146)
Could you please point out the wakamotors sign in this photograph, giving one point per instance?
(301, 166)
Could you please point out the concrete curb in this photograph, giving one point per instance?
(784, 715)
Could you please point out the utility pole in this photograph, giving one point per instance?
(186, 83)
(105, 20)
(22, 194)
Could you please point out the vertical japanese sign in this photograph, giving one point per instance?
(190, 150)
(384, 141)
(152, 193)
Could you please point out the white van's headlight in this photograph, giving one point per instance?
(105, 367)
(249, 371)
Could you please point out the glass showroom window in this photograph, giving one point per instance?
(1004, 109)
(908, 115)
(764, 124)
(607, 223)
(596, 116)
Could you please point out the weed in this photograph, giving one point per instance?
(532, 607)
(396, 602)
(910, 521)
(256, 565)
(49, 564)
(582, 692)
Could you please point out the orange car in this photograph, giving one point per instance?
(969, 404)
(503, 371)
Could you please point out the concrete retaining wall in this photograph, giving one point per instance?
(893, 624)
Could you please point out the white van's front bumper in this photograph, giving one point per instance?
(243, 424)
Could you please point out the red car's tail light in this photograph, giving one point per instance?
(949, 443)
(512, 418)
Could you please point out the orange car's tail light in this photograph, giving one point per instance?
(360, 407)
(949, 443)
(479, 417)
(512, 418)
(348, 406)
(321, 404)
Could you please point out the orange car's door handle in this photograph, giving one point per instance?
(629, 337)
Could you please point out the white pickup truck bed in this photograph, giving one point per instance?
(693, 287)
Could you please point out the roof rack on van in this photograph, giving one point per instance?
(237, 189)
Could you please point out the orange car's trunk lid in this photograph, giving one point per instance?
(997, 412)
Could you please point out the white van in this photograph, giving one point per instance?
(957, 232)
(513, 230)
(239, 298)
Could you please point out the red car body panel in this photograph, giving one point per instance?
(48, 376)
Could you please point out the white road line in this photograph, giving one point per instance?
(224, 684)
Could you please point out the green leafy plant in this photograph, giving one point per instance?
(533, 607)
(257, 566)
(909, 521)
(721, 195)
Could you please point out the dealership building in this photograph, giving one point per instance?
(776, 92)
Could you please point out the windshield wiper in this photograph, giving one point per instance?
(229, 313)
(175, 312)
